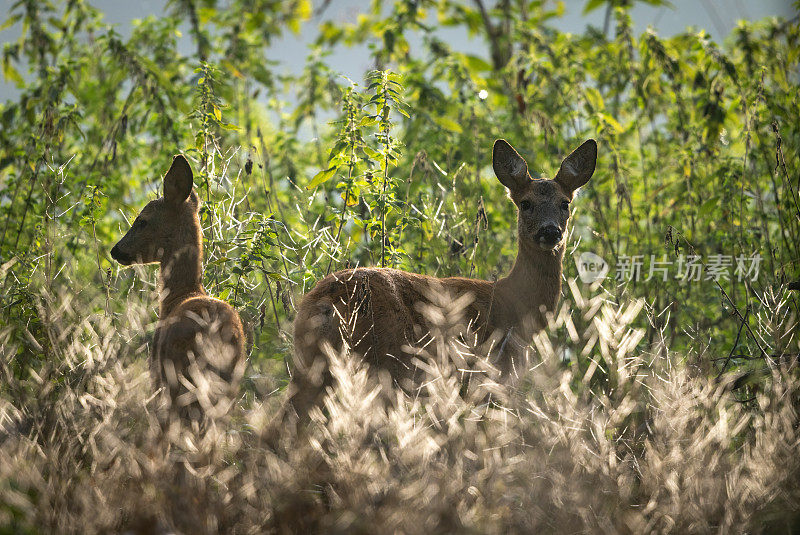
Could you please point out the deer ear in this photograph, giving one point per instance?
(178, 181)
(509, 167)
(578, 167)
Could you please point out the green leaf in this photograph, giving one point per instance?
(9, 22)
(372, 153)
(476, 63)
(205, 14)
(303, 10)
(322, 176)
(336, 151)
(591, 5)
(708, 206)
(448, 124)
(613, 123)
(352, 197)
(12, 74)
(594, 99)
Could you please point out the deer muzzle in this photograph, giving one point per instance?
(548, 236)
(121, 257)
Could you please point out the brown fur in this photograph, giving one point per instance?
(379, 310)
(196, 333)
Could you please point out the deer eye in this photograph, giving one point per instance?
(140, 223)
(525, 205)
(565, 205)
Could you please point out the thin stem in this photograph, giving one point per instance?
(343, 216)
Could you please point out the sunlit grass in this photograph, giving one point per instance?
(639, 442)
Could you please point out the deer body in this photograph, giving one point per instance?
(378, 309)
(196, 334)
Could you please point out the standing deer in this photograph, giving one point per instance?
(388, 316)
(198, 351)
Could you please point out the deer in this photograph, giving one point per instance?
(388, 301)
(197, 355)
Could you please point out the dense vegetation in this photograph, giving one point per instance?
(681, 416)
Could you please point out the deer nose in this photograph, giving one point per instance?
(118, 255)
(548, 235)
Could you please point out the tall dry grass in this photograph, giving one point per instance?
(594, 432)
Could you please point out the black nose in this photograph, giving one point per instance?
(550, 235)
(118, 255)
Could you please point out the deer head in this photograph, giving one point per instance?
(165, 226)
(543, 204)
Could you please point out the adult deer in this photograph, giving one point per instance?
(198, 351)
(379, 307)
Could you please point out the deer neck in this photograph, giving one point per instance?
(533, 284)
(181, 276)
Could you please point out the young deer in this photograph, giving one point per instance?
(196, 334)
(380, 308)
